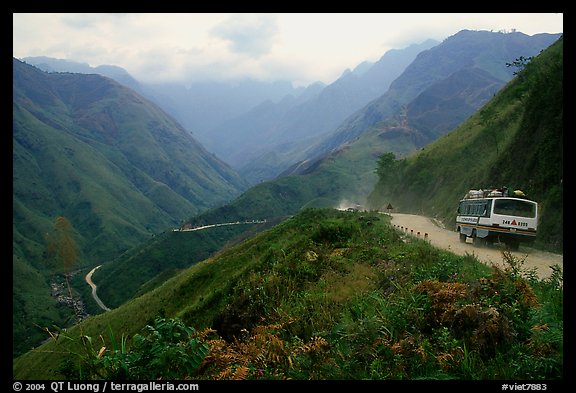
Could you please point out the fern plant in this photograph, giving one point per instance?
(168, 349)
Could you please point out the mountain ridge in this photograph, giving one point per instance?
(346, 176)
(461, 50)
(516, 139)
(112, 163)
(311, 260)
(325, 183)
(310, 122)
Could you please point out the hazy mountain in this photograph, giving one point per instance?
(285, 130)
(516, 140)
(260, 127)
(114, 164)
(202, 106)
(341, 276)
(119, 74)
(483, 54)
(199, 106)
(438, 90)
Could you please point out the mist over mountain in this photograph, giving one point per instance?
(318, 287)
(455, 77)
(50, 64)
(122, 171)
(262, 146)
(198, 106)
(261, 128)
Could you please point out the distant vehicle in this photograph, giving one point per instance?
(357, 207)
(497, 215)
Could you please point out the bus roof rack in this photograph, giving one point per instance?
(493, 193)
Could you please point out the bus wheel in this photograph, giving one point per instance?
(478, 241)
(462, 238)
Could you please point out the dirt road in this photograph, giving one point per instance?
(448, 239)
(93, 286)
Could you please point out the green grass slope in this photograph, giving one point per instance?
(515, 140)
(111, 162)
(432, 181)
(117, 167)
(326, 294)
(331, 183)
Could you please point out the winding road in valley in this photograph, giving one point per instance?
(88, 277)
(93, 286)
(448, 239)
(218, 225)
(438, 236)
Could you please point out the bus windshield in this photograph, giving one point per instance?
(514, 207)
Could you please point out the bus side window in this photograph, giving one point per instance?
(488, 211)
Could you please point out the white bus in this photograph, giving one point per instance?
(489, 216)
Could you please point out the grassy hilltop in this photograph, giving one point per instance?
(326, 294)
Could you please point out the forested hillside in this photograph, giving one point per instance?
(112, 164)
(442, 87)
(325, 295)
(515, 140)
(330, 294)
(347, 175)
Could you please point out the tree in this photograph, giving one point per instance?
(65, 244)
(386, 166)
(520, 63)
(62, 245)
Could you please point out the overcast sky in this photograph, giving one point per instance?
(302, 48)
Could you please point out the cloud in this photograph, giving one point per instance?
(302, 47)
(250, 34)
(85, 21)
